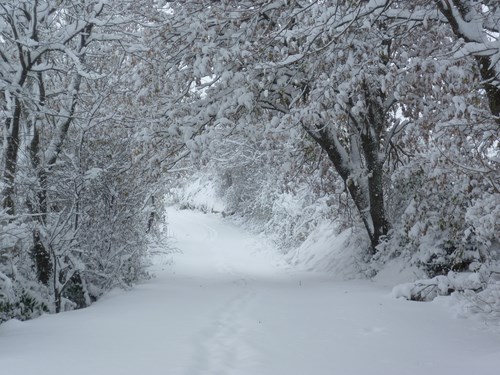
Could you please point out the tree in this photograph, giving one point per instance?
(451, 169)
(476, 23)
(327, 67)
(357, 77)
(64, 76)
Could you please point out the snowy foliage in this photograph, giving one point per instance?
(76, 215)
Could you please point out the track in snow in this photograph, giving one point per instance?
(230, 305)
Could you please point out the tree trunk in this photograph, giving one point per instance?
(367, 195)
(374, 125)
(42, 260)
(12, 126)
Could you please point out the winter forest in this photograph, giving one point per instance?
(374, 120)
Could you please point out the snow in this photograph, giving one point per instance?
(230, 304)
(326, 250)
(200, 193)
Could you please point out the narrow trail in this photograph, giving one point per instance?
(230, 305)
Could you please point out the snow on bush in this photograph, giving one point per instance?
(485, 303)
(428, 289)
(471, 293)
(198, 192)
(483, 215)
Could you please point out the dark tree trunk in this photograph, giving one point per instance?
(377, 205)
(152, 216)
(374, 127)
(12, 126)
(39, 209)
(42, 260)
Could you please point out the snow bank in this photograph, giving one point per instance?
(327, 250)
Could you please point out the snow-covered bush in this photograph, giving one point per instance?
(22, 302)
(21, 296)
(432, 229)
(198, 192)
(472, 293)
(443, 285)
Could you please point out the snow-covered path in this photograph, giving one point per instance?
(230, 306)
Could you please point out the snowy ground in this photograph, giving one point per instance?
(230, 305)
